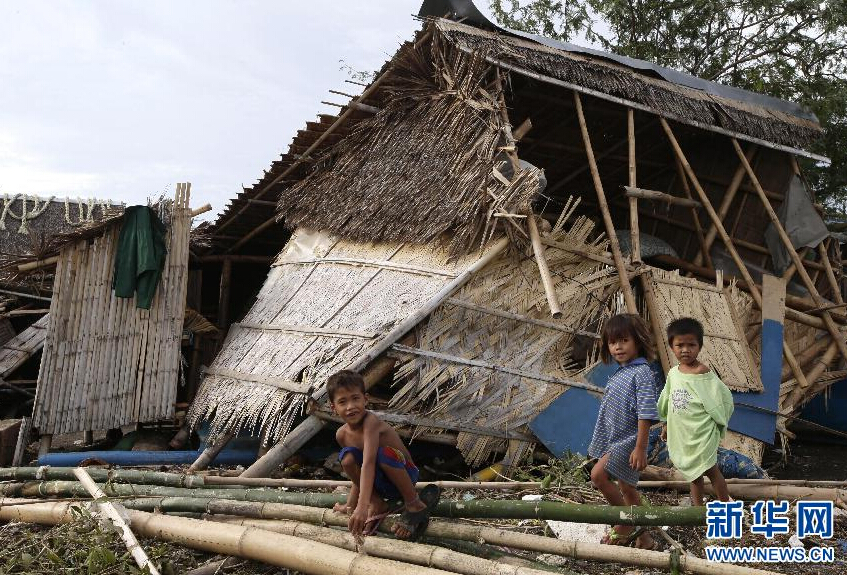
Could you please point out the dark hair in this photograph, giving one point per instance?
(627, 325)
(344, 379)
(685, 326)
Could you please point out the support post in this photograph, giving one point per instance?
(634, 238)
(830, 275)
(739, 263)
(209, 454)
(833, 329)
(44, 444)
(629, 298)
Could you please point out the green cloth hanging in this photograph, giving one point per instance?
(141, 255)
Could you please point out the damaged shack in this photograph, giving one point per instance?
(463, 228)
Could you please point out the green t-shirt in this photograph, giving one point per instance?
(697, 409)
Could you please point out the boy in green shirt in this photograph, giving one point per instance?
(697, 406)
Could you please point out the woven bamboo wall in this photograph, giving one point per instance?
(722, 313)
(325, 303)
(105, 362)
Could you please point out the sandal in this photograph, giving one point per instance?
(372, 523)
(416, 522)
(624, 540)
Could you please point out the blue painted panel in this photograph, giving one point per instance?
(829, 411)
(747, 420)
(568, 422)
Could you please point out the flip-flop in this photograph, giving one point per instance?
(372, 523)
(416, 522)
(615, 538)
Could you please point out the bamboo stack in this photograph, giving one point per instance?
(107, 363)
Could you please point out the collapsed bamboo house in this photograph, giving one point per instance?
(659, 195)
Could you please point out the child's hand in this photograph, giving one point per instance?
(356, 523)
(341, 508)
(664, 435)
(638, 459)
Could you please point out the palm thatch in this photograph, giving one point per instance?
(326, 302)
(424, 166)
(617, 80)
(502, 318)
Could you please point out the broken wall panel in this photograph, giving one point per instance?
(105, 362)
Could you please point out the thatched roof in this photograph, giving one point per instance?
(613, 79)
(412, 171)
(423, 166)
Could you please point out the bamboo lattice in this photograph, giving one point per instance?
(107, 363)
(720, 311)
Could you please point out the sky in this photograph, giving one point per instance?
(119, 99)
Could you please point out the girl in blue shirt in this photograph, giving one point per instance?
(626, 413)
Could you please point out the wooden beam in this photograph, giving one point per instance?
(253, 233)
(837, 336)
(830, 275)
(236, 259)
(653, 311)
(629, 298)
(641, 193)
(739, 263)
(634, 238)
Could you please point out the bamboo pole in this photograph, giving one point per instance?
(833, 329)
(830, 275)
(250, 543)
(114, 512)
(739, 263)
(726, 202)
(144, 477)
(755, 492)
(634, 237)
(414, 553)
(306, 430)
(183, 499)
(629, 298)
(543, 268)
(201, 210)
(29, 266)
(653, 311)
(640, 193)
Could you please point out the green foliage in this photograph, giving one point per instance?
(559, 20)
(791, 49)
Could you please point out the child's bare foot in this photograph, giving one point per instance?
(413, 507)
(342, 508)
